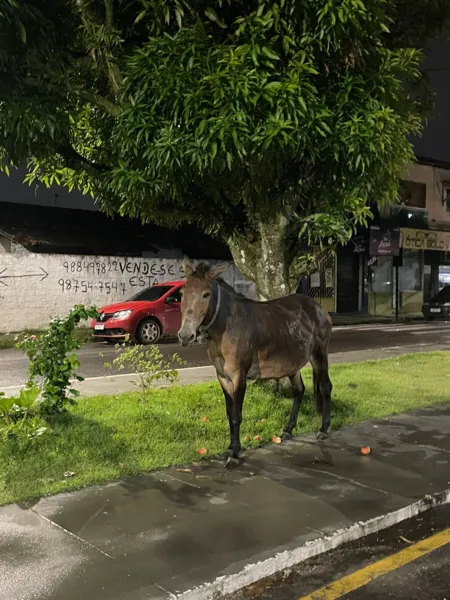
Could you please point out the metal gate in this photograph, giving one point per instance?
(322, 282)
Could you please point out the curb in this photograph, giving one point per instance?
(250, 574)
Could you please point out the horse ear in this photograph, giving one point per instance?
(217, 270)
(188, 267)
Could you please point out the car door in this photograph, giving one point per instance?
(172, 311)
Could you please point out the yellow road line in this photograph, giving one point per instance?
(364, 576)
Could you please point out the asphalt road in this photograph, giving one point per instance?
(350, 343)
(371, 568)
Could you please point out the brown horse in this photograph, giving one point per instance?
(256, 340)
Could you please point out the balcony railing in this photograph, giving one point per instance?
(402, 215)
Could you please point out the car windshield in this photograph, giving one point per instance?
(443, 296)
(151, 294)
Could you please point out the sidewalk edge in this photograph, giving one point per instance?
(250, 574)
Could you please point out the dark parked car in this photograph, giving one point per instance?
(439, 306)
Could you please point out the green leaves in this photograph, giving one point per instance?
(212, 15)
(5, 408)
(149, 365)
(53, 362)
(217, 112)
(19, 415)
(22, 32)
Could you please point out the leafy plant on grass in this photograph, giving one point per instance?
(148, 363)
(19, 414)
(53, 362)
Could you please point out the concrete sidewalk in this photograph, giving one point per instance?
(203, 531)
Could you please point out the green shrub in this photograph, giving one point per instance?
(19, 414)
(53, 362)
(148, 363)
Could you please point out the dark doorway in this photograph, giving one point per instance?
(347, 283)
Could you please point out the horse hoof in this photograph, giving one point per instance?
(224, 455)
(285, 436)
(323, 435)
(232, 463)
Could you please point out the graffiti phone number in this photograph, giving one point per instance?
(107, 287)
(154, 269)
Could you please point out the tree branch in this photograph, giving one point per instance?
(75, 161)
(109, 11)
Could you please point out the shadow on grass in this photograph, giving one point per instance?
(74, 444)
(342, 411)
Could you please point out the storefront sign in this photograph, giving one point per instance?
(384, 242)
(424, 239)
(359, 245)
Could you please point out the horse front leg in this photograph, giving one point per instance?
(227, 389)
(239, 382)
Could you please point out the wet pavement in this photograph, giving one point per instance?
(348, 344)
(162, 534)
(426, 578)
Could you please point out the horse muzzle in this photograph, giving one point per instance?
(186, 337)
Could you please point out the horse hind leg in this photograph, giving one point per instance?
(322, 390)
(298, 388)
(318, 398)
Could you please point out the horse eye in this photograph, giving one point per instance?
(206, 295)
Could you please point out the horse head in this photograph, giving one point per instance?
(199, 304)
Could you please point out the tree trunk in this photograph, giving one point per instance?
(266, 259)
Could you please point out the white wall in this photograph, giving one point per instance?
(34, 288)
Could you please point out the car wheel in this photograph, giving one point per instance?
(148, 332)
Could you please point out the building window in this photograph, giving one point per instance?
(446, 198)
(411, 210)
(413, 194)
(381, 275)
(410, 274)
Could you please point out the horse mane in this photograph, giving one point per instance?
(201, 270)
(230, 289)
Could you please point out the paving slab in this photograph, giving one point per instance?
(196, 530)
(39, 561)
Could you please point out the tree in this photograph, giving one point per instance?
(271, 123)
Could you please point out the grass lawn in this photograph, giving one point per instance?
(109, 437)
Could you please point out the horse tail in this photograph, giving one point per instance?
(317, 395)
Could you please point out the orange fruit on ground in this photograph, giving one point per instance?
(205, 419)
(365, 450)
(202, 451)
(257, 438)
(276, 439)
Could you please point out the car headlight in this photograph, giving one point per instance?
(446, 304)
(121, 314)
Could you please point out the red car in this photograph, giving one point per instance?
(146, 317)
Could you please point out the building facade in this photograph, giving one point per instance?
(53, 258)
(409, 258)
(403, 258)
